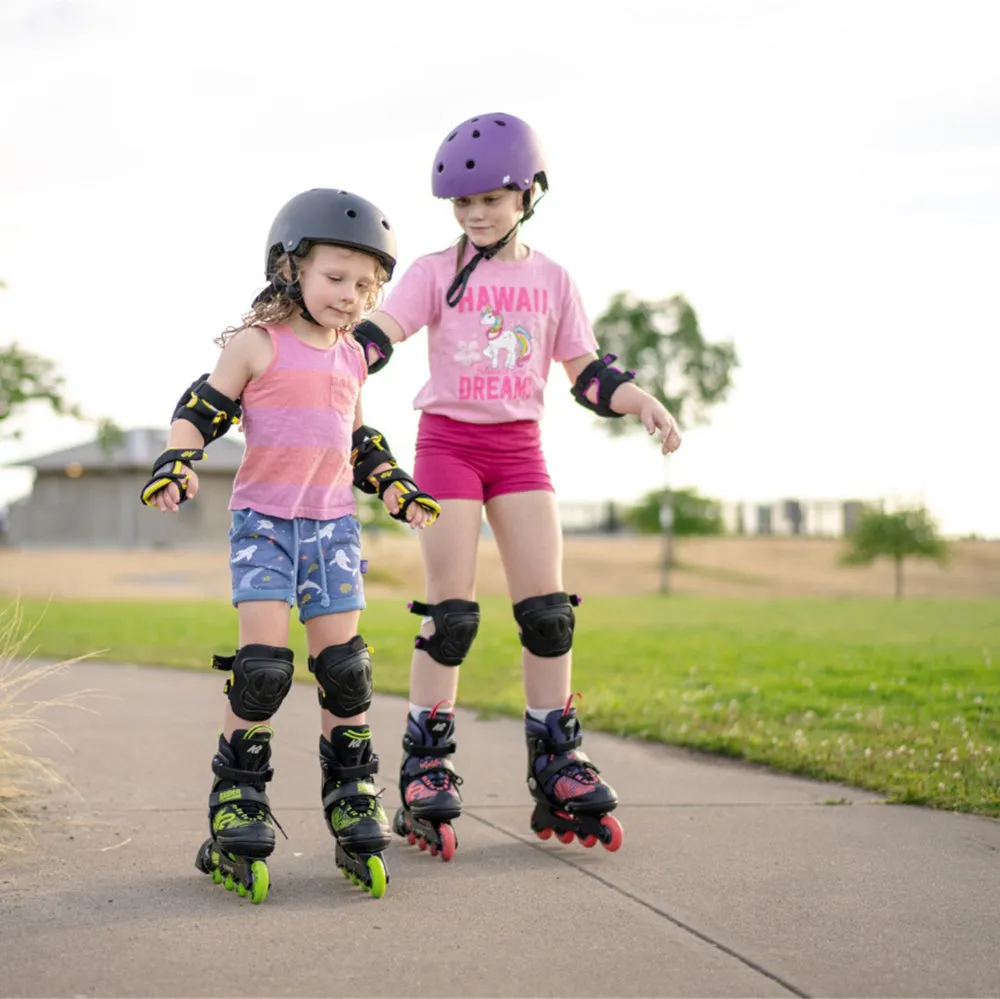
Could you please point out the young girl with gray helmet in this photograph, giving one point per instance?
(294, 374)
(497, 313)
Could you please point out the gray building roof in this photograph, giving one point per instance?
(137, 453)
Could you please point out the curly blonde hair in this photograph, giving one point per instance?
(272, 305)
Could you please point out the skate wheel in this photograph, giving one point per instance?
(376, 872)
(448, 842)
(241, 890)
(217, 875)
(434, 850)
(422, 843)
(588, 841)
(566, 837)
(615, 833)
(411, 838)
(260, 882)
(543, 833)
(229, 884)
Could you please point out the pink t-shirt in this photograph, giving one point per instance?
(298, 417)
(489, 356)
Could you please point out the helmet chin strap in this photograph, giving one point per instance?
(291, 289)
(457, 287)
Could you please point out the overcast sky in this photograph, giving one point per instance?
(821, 180)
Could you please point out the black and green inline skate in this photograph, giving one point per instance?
(240, 822)
(354, 815)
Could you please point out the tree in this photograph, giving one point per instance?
(898, 536)
(693, 514)
(662, 342)
(26, 378)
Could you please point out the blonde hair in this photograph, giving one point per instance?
(273, 305)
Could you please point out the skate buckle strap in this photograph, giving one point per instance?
(564, 762)
(415, 749)
(343, 773)
(553, 747)
(225, 772)
(241, 795)
(352, 789)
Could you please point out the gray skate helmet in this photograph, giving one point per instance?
(328, 215)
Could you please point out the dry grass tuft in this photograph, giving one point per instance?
(23, 774)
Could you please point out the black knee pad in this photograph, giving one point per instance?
(344, 675)
(547, 623)
(456, 623)
(260, 681)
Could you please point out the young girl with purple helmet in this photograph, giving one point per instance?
(497, 314)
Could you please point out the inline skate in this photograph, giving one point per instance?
(572, 800)
(241, 825)
(428, 784)
(353, 812)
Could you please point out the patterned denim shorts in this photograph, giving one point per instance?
(314, 563)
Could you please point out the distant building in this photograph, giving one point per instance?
(85, 498)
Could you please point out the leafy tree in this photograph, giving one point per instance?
(26, 378)
(897, 536)
(693, 514)
(663, 343)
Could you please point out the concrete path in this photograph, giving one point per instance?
(732, 881)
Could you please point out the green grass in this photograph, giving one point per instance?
(901, 698)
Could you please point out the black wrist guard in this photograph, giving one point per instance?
(173, 465)
(411, 493)
(368, 333)
(208, 409)
(608, 378)
(369, 449)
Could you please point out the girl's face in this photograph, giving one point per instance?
(337, 284)
(487, 218)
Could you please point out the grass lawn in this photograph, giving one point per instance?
(901, 698)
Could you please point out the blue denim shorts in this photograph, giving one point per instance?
(314, 563)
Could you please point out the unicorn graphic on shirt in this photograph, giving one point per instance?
(516, 341)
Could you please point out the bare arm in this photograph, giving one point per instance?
(243, 357)
(630, 400)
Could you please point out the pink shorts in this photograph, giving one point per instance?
(479, 460)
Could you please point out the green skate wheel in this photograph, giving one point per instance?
(261, 881)
(217, 875)
(376, 871)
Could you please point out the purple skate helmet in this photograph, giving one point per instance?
(485, 153)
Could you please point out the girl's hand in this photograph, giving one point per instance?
(417, 516)
(168, 499)
(655, 418)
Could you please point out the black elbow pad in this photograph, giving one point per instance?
(208, 409)
(368, 334)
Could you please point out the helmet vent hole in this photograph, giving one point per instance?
(473, 119)
(497, 121)
(440, 168)
(385, 225)
(452, 136)
(470, 164)
(475, 134)
(351, 213)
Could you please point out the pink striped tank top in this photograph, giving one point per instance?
(298, 417)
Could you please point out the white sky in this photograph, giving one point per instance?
(821, 180)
